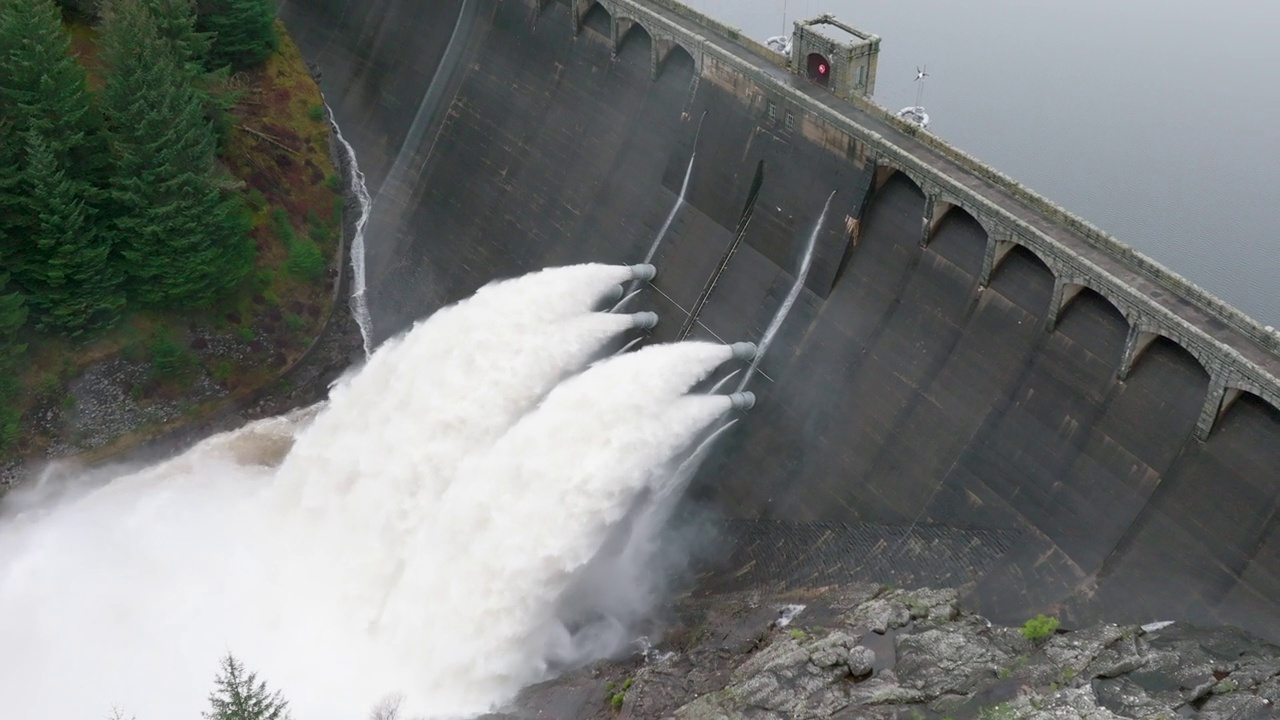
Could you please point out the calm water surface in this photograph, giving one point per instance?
(1157, 120)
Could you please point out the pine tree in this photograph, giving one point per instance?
(244, 31)
(183, 239)
(43, 89)
(68, 272)
(175, 23)
(83, 9)
(241, 696)
(13, 313)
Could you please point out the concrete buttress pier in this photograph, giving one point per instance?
(975, 386)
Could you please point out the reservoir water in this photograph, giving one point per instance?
(1155, 121)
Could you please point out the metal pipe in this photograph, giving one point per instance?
(644, 320)
(742, 400)
(743, 350)
(643, 271)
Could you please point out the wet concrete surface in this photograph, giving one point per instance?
(897, 401)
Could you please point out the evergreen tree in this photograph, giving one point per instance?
(241, 696)
(175, 23)
(83, 9)
(184, 241)
(244, 31)
(13, 313)
(43, 89)
(68, 273)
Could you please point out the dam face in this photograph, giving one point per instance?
(916, 420)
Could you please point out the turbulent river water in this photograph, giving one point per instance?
(433, 530)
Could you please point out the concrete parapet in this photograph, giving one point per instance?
(1226, 365)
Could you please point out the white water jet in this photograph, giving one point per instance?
(413, 535)
(785, 309)
(359, 298)
(684, 188)
(609, 598)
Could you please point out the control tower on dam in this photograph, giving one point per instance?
(974, 386)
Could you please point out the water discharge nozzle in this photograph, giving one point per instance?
(643, 271)
(644, 320)
(742, 400)
(613, 294)
(743, 350)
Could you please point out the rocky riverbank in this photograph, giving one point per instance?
(869, 651)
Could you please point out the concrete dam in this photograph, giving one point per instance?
(974, 387)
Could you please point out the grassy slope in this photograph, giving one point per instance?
(280, 151)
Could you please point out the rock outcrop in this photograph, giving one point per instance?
(876, 652)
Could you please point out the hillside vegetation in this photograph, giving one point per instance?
(169, 209)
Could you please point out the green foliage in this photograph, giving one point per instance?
(221, 371)
(175, 25)
(54, 165)
(1001, 711)
(243, 31)
(13, 313)
(305, 261)
(333, 182)
(1039, 627)
(316, 113)
(81, 9)
(797, 634)
(67, 268)
(183, 240)
(282, 227)
(256, 199)
(168, 358)
(616, 694)
(239, 695)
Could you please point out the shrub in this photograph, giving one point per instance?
(284, 229)
(334, 182)
(316, 113)
(256, 199)
(318, 233)
(9, 419)
(221, 371)
(168, 358)
(262, 279)
(305, 260)
(1039, 627)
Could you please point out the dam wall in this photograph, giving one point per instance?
(967, 368)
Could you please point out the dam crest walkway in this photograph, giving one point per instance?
(1236, 352)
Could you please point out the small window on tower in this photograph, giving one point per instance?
(791, 120)
(773, 111)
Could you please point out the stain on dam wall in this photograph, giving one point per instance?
(909, 423)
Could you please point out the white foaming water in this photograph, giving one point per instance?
(785, 309)
(414, 536)
(359, 298)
